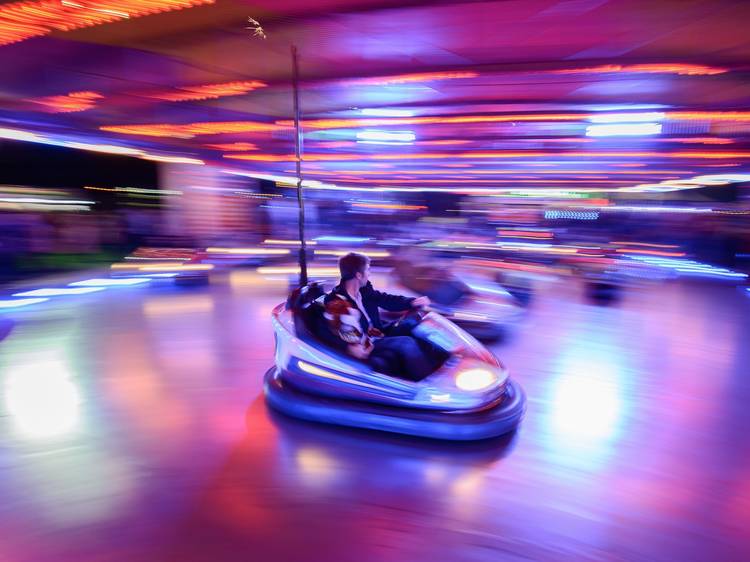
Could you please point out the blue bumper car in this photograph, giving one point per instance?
(487, 313)
(469, 396)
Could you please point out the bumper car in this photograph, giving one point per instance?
(486, 310)
(186, 266)
(470, 396)
(603, 286)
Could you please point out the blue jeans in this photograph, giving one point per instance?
(401, 356)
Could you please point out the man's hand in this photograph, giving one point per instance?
(359, 350)
(420, 302)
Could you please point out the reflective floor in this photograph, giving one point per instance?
(133, 428)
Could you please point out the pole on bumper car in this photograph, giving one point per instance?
(298, 159)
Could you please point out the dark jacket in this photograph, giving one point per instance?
(372, 300)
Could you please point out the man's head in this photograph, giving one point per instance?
(355, 266)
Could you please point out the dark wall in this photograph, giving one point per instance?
(39, 165)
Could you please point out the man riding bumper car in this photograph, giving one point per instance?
(335, 363)
(352, 309)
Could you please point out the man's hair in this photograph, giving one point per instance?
(351, 264)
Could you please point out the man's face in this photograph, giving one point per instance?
(364, 277)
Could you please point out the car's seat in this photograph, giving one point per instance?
(307, 313)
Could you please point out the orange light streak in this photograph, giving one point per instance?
(451, 120)
(525, 234)
(415, 77)
(239, 146)
(23, 20)
(742, 116)
(676, 68)
(190, 130)
(344, 123)
(207, 91)
(699, 140)
(69, 103)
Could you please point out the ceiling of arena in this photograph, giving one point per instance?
(605, 94)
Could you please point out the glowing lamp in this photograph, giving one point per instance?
(475, 379)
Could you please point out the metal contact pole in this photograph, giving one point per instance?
(298, 155)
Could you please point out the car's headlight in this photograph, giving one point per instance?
(475, 379)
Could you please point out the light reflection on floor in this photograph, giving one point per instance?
(133, 428)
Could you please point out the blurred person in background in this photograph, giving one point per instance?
(352, 311)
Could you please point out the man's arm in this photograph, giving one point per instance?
(398, 303)
(394, 303)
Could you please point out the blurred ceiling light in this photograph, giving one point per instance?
(689, 266)
(249, 251)
(343, 239)
(41, 201)
(626, 117)
(105, 148)
(392, 143)
(321, 271)
(58, 292)
(34, 18)
(173, 159)
(138, 265)
(103, 282)
(17, 303)
(640, 251)
(695, 182)
(135, 190)
(646, 244)
(288, 242)
(395, 206)
(493, 154)
(189, 130)
(383, 112)
(468, 179)
(514, 233)
(416, 77)
(207, 91)
(69, 103)
(652, 209)
(232, 146)
(16, 134)
(540, 117)
(387, 136)
(444, 142)
(369, 253)
(623, 129)
(436, 120)
(658, 68)
(698, 140)
(176, 267)
(505, 171)
(334, 144)
(741, 116)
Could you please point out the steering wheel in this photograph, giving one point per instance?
(408, 321)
